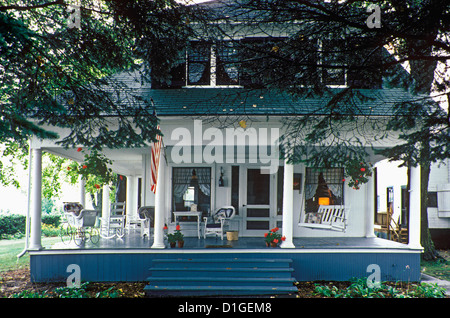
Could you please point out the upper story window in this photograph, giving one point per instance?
(212, 64)
(350, 63)
(199, 64)
(335, 63)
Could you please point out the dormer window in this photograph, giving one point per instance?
(335, 63)
(212, 64)
(199, 64)
(350, 63)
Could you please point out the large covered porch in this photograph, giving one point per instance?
(262, 201)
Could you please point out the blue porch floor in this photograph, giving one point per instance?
(135, 241)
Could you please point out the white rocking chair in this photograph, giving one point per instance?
(114, 225)
(220, 221)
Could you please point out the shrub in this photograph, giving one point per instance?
(49, 230)
(51, 219)
(359, 289)
(11, 225)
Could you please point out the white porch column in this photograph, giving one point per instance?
(132, 200)
(36, 199)
(288, 205)
(106, 211)
(160, 209)
(83, 192)
(370, 207)
(414, 208)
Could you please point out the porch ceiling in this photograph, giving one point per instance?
(125, 161)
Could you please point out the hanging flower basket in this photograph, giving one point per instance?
(94, 169)
(358, 171)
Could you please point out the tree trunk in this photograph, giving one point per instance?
(429, 252)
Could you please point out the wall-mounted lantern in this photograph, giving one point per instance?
(221, 178)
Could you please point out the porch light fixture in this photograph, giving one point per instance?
(221, 180)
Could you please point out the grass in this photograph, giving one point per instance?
(439, 268)
(9, 249)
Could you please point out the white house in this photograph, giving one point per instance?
(220, 148)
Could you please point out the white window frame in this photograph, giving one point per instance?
(321, 69)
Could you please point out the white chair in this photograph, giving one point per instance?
(146, 215)
(114, 225)
(219, 221)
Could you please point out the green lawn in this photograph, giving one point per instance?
(440, 268)
(9, 249)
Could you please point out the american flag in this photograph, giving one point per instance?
(156, 154)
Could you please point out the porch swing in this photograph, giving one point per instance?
(328, 216)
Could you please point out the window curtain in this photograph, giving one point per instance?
(204, 180)
(182, 179)
(227, 72)
(199, 54)
(331, 179)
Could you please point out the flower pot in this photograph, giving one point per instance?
(232, 235)
(273, 244)
(172, 244)
(180, 244)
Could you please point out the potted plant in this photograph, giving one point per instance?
(272, 238)
(179, 236)
(172, 238)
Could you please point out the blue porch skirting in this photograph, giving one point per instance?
(309, 265)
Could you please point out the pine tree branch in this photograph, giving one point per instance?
(26, 8)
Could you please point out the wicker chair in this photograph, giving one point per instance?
(219, 221)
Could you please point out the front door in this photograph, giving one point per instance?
(258, 208)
